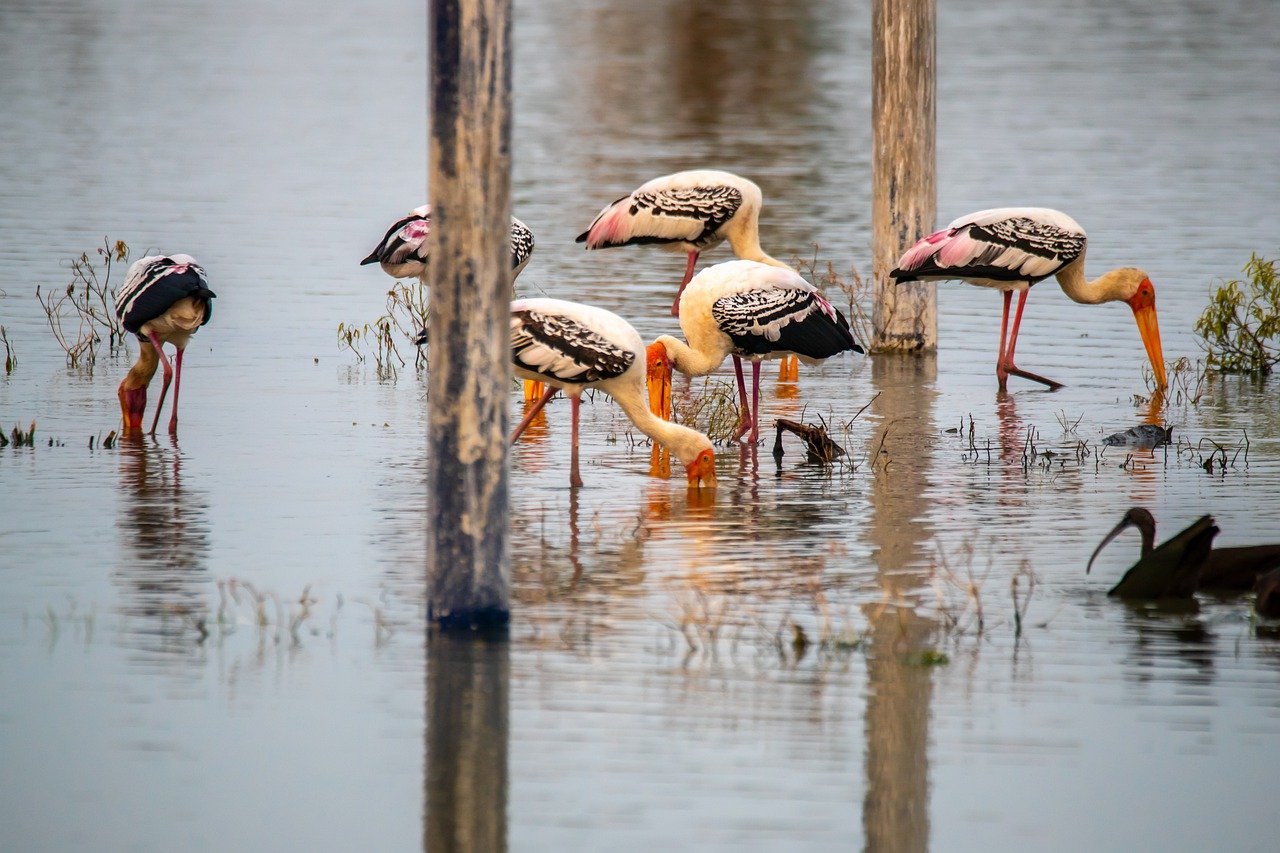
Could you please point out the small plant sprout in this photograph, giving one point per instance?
(10, 355)
(407, 313)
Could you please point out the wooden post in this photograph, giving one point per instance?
(469, 172)
(903, 167)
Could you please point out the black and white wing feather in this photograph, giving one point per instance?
(405, 241)
(1003, 245)
(561, 347)
(687, 207)
(154, 283)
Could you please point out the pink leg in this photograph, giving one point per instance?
(177, 386)
(1007, 361)
(744, 408)
(1001, 375)
(533, 412)
(755, 402)
(688, 274)
(575, 479)
(168, 377)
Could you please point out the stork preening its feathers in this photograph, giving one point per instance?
(164, 299)
(572, 347)
(402, 252)
(1012, 248)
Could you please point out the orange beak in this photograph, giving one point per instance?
(532, 390)
(658, 379)
(1143, 304)
(702, 471)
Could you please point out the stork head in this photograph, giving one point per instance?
(702, 470)
(658, 378)
(1142, 300)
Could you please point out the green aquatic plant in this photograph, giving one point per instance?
(1240, 329)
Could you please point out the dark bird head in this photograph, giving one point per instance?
(1137, 517)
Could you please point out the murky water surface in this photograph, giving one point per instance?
(218, 643)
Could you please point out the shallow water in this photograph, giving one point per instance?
(164, 683)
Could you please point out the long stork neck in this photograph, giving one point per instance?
(139, 375)
(744, 237)
(684, 442)
(691, 361)
(1108, 287)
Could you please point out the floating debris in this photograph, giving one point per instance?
(820, 447)
(1144, 435)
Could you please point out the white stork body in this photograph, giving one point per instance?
(402, 252)
(747, 310)
(1012, 248)
(572, 347)
(688, 212)
(164, 299)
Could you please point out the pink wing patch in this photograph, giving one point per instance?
(923, 250)
(958, 251)
(416, 230)
(611, 227)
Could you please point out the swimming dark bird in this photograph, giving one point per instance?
(1235, 568)
(163, 299)
(1172, 570)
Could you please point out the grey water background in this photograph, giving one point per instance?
(276, 142)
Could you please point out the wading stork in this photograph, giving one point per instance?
(1012, 248)
(747, 310)
(573, 347)
(164, 298)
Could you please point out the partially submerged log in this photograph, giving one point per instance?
(820, 447)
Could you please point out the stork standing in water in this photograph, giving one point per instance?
(1012, 248)
(403, 253)
(163, 299)
(572, 347)
(748, 310)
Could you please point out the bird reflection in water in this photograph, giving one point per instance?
(164, 534)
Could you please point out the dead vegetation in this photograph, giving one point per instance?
(80, 315)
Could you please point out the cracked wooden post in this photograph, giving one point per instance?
(469, 169)
(903, 168)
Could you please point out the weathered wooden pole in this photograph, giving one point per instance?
(903, 167)
(469, 173)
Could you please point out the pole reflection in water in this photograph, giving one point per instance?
(895, 808)
(164, 533)
(467, 734)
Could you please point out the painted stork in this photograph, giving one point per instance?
(163, 299)
(687, 212)
(1012, 248)
(402, 252)
(748, 310)
(572, 347)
